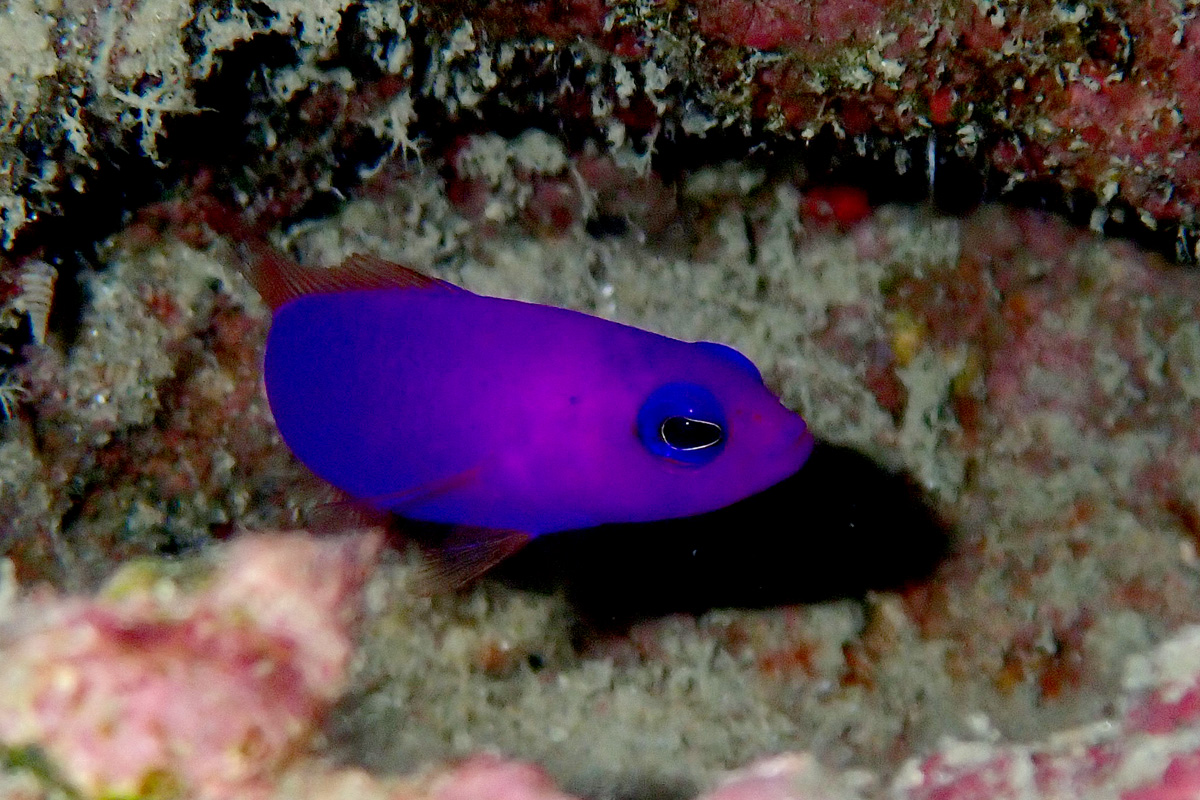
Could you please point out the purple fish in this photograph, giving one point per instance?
(505, 418)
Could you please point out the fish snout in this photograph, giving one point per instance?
(796, 440)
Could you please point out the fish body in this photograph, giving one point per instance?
(442, 405)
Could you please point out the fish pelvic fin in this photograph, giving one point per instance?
(345, 513)
(462, 555)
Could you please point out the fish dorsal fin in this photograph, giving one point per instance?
(280, 280)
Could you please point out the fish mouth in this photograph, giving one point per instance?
(786, 448)
(804, 445)
(788, 456)
(798, 442)
(807, 444)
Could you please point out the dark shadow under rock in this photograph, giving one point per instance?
(840, 527)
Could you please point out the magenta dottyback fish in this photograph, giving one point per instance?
(509, 419)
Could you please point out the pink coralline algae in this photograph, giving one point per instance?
(792, 776)
(1092, 101)
(491, 777)
(1150, 751)
(1091, 97)
(206, 693)
(152, 397)
(1088, 98)
(157, 690)
(788, 25)
(481, 777)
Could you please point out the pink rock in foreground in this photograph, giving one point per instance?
(481, 777)
(488, 777)
(1151, 751)
(793, 776)
(204, 694)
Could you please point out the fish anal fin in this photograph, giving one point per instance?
(279, 279)
(464, 554)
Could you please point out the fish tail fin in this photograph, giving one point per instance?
(227, 220)
(271, 273)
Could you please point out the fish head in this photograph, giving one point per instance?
(710, 433)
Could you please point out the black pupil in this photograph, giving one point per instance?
(684, 433)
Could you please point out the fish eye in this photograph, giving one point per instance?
(685, 433)
(684, 423)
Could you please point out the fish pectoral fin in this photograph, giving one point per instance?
(396, 502)
(463, 554)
